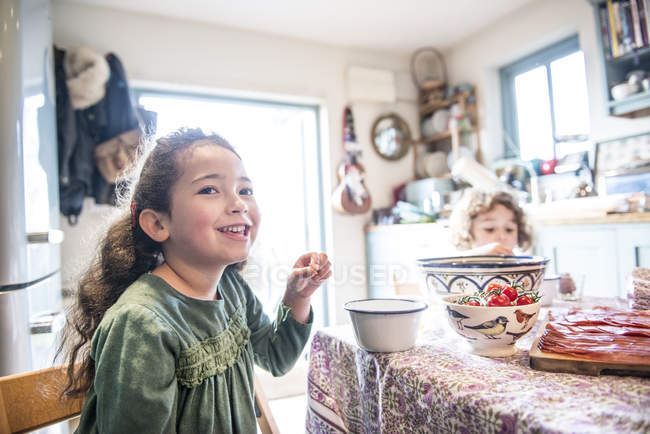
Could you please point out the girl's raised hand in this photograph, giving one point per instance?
(494, 248)
(309, 272)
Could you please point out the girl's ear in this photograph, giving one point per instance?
(154, 225)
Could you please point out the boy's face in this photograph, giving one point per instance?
(497, 225)
(214, 216)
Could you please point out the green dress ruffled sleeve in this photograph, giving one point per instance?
(165, 362)
(276, 344)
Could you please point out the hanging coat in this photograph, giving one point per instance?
(80, 130)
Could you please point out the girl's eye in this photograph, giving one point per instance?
(246, 191)
(208, 190)
(510, 230)
(488, 230)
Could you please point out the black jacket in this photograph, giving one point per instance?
(79, 131)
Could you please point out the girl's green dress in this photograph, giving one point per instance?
(165, 362)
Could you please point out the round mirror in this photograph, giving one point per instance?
(390, 136)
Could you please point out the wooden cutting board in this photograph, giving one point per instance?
(553, 362)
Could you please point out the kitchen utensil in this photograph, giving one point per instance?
(490, 331)
(351, 195)
(637, 288)
(623, 90)
(427, 126)
(460, 274)
(428, 69)
(635, 77)
(645, 84)
(548, 167)
(440, 120)
(417, 192)
(570, 286)
(549, 288)
(435, 164)
(385, 324)
(468, 170)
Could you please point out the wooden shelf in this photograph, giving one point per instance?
(631, 56)
(428, 108)
(434, 138)
(446, 141)
(442, 136)
(630, 104)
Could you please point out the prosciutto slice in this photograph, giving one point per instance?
(600, 334)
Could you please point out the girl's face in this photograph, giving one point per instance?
(214, 217)
(496, 225)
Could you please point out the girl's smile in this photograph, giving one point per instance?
(237, 232)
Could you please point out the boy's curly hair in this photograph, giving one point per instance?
(475, 202)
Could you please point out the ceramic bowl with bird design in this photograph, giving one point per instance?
(490, 330)
(468, 274)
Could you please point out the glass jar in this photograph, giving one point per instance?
(638, 289)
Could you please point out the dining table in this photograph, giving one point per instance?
(440, 386)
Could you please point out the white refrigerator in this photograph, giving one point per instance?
(30, 282)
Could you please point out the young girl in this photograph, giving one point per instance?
(165, 330)
(489, 223)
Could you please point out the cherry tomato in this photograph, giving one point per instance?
(524, 299)
(473, 303)
(510, 292)
(498, 300)
(492, 286)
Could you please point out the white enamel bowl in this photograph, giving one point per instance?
(385, 325)
(490, 331)
(468, 274)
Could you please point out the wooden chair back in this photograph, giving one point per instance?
(30, 401)
(265, 421)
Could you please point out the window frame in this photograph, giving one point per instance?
(507, 74)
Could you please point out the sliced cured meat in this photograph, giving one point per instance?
(600, 334)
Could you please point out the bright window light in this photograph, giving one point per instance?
(279, 147)
(534, 114)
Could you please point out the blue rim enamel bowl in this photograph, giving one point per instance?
(385, 324)
(468, 274)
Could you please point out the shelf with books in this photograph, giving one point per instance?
(624, 41)
(632, 56)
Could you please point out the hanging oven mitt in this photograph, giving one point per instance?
(115, 155)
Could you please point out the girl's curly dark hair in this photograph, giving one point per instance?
(125, 252)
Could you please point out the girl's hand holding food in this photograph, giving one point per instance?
(309, 272)
(494, 248)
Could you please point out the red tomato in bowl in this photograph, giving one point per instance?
(510, 292)
(498, 300)
(492, 286)
(473, 303)
(524, 299)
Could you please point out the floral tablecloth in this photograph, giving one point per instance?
(438, 386)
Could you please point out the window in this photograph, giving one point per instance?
(280, 148)
(545, 104)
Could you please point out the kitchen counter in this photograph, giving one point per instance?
(591, 218)
(442, 223)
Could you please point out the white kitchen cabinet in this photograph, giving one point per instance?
(392, 251)
(603, 253)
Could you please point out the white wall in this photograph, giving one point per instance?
(534, 26)
(156, 49)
